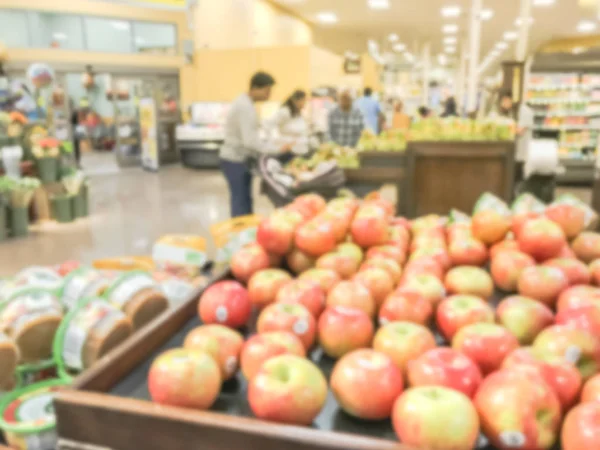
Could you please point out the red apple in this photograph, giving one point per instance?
(184, 377)
(524, 317)
(353, 294)
(572, 345)
(387, 251)
(503, 246)
(343, 264)
(406, 306)
(575, 271)
(445, 367)
(438, 253)
(225, 302)
(577, 296)
(506, 269)
(468, 252)
(436, 418)
(403, 342)
(370, 226)
(518, 410)
(427, 285)
(595, 271)
(581, 429)
(542, 283)
(304, 292)
(389, 265)
(293, 318)
(343, 329)
(262, 347)
(249, 260)
(458, 311)
(541, 238)
(490, 226)
(265, 284)
(566, 252)
(424, 266)
(583, 317)
(316, 237)
(587, 246)
(570, 218)
(469, 280)
(352, 250)
(299, 262)
(366, 384)
(378, 282)
(288, 389)
(591, 390)
(520, 219)
(310, 204)
(276, 233)
(220, 342)
(487, 344)
(562, 377)
(326, 278)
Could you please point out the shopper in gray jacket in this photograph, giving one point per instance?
(242, 143)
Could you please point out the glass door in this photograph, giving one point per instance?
(125, 94)
(169, 115)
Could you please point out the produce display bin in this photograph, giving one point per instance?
(365, 180)
(62, 209)
(48, 169)
(3, 222)
(18, 221)
(79, 204)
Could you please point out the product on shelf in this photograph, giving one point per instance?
(387, 141)
(9, 356)
(456, 129)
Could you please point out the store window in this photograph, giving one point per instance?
(155, 38)
(49, 30)
(108, 35)
(13, 28)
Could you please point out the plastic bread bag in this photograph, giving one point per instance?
(591, 216)
(489, 201)
(182, 255)
(83, 283)
(233, 234)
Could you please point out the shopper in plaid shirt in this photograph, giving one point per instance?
(346, 122)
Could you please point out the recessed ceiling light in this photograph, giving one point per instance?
(120, 25)
(378, 4)
(486, 14)
(510, 35)
(60, 36)
(586, 26)
(519, 21)
(399, 48)
(501, 45)
(494, 53)
(450, 49)
(543, 2)
(393, 37)
(450, 40)
(409, 56)
(450, 28)
(451, 11)
(327, 17)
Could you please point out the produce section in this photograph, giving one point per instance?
(463, 316)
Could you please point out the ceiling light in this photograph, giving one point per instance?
(519, 21)
(586, 26)
(399, 47)
(501, 45)
(60, 36)
(450, 40)
(451, 11)
(450, 49)
(118, 25)
(494, 53)
(327, 17)
(393, 37)
(486, 14)
(378, 4)
(450, 28)
(543, 2)
(442, 59)
(510, 35)
(409, 57)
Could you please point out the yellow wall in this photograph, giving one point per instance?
(326, 68)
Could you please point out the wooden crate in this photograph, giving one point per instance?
(109, 407)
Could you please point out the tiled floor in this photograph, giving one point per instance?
(130, 210)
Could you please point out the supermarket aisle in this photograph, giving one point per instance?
(130, 210)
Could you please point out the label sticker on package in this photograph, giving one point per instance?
(128, 286)
(573, 354)
(76, 285)
(512, 439)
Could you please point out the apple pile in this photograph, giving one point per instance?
(450, 326)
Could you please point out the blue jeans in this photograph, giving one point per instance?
(239, 180)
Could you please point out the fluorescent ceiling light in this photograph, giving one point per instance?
(501, 45)
(399, 48)
(586, 26)
(450, 28)
(409, 56)
(118, 25)
(494, 53)
(393, 37)
(451, 11)
(486, 14)
(450, 50)
(519, 21)
(60, 36)
(327, 17)
(442, 59)
(511, 35)
(378, 4)
(543, 2)
(450, 40)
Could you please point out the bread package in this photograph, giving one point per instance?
(81, 284)
(9, 356)
(88, 332)
(40, 277)
(139, 296)
(31, 319)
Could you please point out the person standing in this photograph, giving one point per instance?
(400, 120)
(450, 109)
(289, 126)
(371, 110)
(242, 143)
(346, 122)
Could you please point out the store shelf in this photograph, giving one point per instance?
(550, 101)
(566, 128)
(566, 113)
(554, 87)
(577, 144)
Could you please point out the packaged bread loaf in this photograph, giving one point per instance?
(41, 277)
(139, 296)
(87, 333)
(9, 356)
(27, 416)
(83, 283)
(31, 319)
